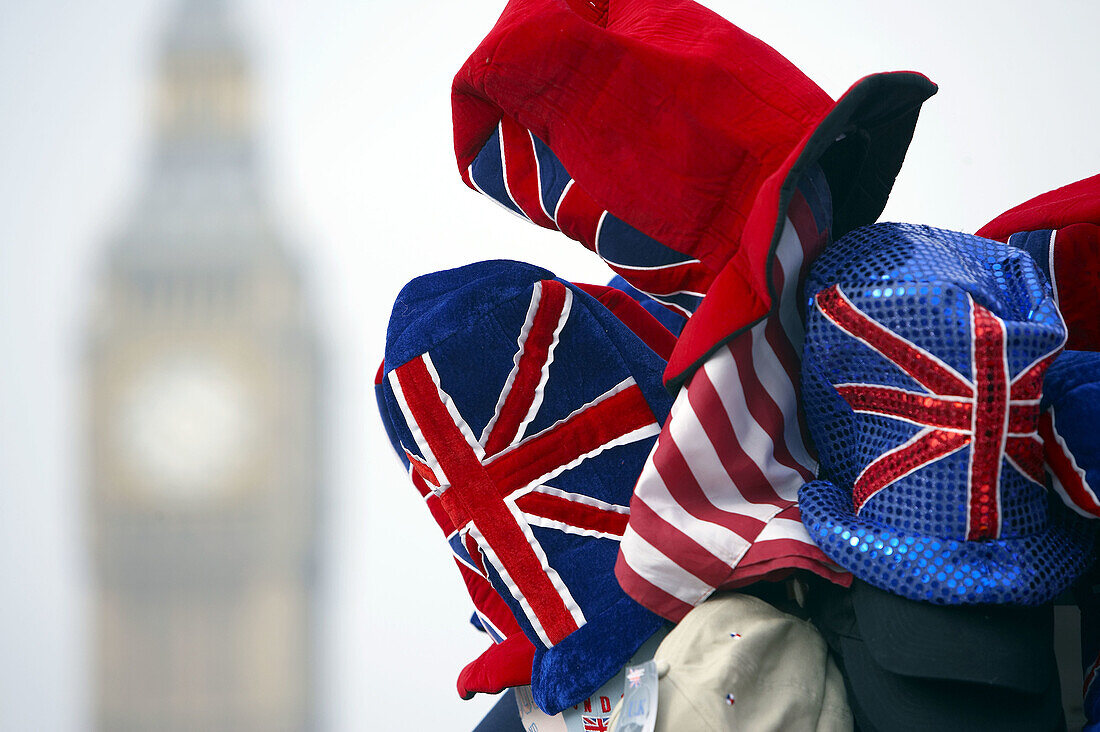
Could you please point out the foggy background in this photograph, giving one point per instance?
(355, 139)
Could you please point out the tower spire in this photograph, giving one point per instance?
(204, 92)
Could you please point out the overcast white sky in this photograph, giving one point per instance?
(356, 134)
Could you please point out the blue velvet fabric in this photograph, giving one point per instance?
(467, 320)
(1072, 388)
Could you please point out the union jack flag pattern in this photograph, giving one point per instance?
(527, 409)
(925, 356)
(716, 505)
(594, 724)
(503, 664)
(522, 174)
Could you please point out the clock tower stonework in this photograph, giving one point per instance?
(202, 425)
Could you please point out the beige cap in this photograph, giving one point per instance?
(736, 662)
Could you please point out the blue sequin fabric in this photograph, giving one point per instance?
(922, 370)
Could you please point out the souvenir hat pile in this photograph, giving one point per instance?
(528, 408)
(922, 374)
(670, 142)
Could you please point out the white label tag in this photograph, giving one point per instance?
(594, 713)
(591, 715)
(639, 712)
(533, 718)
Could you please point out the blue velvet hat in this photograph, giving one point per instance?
(922, 375)
(529, 408)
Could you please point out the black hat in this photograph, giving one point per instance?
(911, 665)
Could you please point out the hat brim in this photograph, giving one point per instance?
(881, 699)
(884, 692)
(1028, 570)
(565, 674)
(1007, 646)
(860, 144)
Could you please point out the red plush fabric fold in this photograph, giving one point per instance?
(1073, 211)
(1076, 203)
(501, 666)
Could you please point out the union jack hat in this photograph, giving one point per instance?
(669, 141)
(507, 662)
(528, 409)
(922, 376)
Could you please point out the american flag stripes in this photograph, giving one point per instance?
(716, 504)
(522, 174)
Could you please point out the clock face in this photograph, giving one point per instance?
(186, 425)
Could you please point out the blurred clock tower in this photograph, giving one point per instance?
(202, 424)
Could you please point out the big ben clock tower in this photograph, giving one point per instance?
(202, 394)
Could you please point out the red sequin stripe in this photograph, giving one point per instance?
(923, 367)
(924, 409)
(1027, 453)
(990, 423)
(1029, 383)
(925, 447)
(1022, 418)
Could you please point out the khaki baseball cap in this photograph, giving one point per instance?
(737, 662)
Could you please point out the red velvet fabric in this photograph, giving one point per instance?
(500, 666)
(683, 126)
(1076, 203)
(1074, 211)
(668, 114)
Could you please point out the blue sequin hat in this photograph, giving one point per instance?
(922, 375)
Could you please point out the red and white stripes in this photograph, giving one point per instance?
(716, 504)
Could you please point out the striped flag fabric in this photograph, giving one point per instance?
(716, 506)
(521, 173)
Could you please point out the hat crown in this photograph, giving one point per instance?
(924, 362)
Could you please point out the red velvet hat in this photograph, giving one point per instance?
(664, 120)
